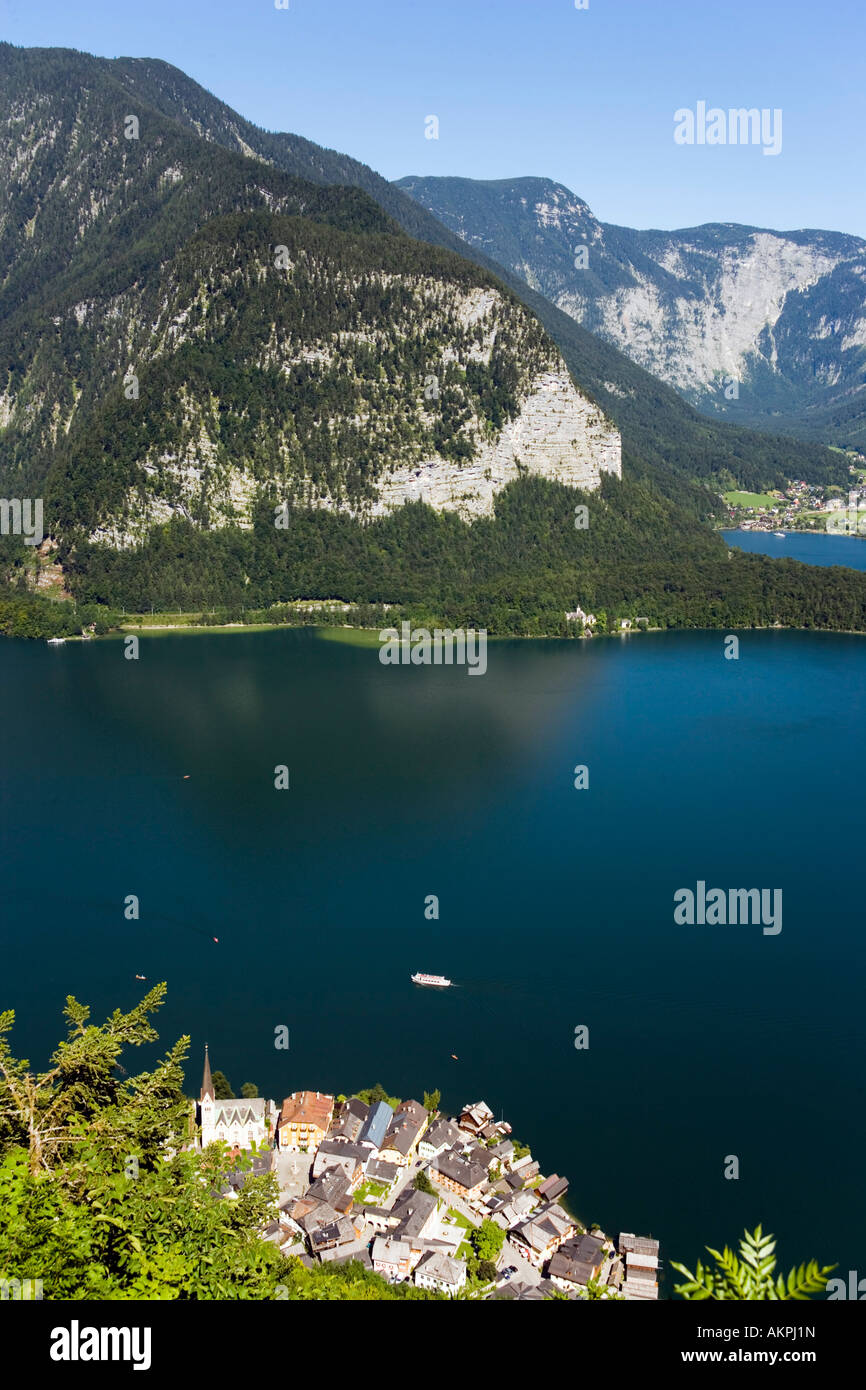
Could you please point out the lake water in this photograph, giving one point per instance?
(556, 904)
(812, 547)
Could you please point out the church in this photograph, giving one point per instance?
(239, 1123)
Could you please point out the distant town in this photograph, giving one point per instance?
(802, 506)
(448, 1203)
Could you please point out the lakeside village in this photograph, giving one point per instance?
(801, 507)
(451, 1204)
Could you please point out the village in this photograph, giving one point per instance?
(451, 1204)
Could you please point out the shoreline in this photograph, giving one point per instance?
(368, 636)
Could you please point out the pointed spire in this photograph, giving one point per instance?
(206, 1083)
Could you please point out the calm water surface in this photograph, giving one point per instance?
(556, 904)
(813, 548)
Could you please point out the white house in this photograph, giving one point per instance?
(436, 1270)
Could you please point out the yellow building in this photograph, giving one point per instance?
(304, 1120)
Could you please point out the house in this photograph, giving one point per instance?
(349, 1120)
(304, 1120)
(238, 1123)
(475, 1117)
(540, 1236)
(457, 1175)
(519, 1292)
(331, 1187)
(624, 624)
(310, 1215)
(441, 1136)
(507, 1211)
(578, 616)
(401, 1138)
(375, 1126)
(391, 1258)
(576, 1262)
(351, 1159)
(415, 1215)
(641, 1258)
(280, 1234)
(245, 1165)
(337, 1233)
(552, 1188)
(503, 1152)
(381, 1172)
(527, 1167)
(436, 1270)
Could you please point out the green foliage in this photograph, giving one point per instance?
(377, 1093)
(422, 1183)
(249, 1090)
(431, 1101)
(487, 1240)
(221, 1087)
(750, 1276)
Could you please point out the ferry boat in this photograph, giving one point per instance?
(439, 980)
(56, 641)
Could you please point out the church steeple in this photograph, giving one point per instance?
(206, 1082)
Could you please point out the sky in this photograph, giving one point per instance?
(529, 87)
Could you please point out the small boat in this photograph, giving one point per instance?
(438, 980)
(141, 977)
(780, 534)
(56, 641)
(454, 1057)
(216, 939)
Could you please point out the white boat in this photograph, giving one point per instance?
(56, 641)
(780, 534)
(439, 980)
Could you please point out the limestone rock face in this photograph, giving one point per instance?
(558, 434)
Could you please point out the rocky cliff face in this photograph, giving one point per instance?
(759, 325)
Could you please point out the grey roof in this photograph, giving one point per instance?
(456, 1169)
(412, 1210)
(443, 1132)
(351, 1119)
(552, 1187)
(389, 1249)
(330, 1187)
(385, 1172)
(339, 1232)
(437, 1265)
(342, 1149)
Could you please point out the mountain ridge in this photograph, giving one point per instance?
(778, 314)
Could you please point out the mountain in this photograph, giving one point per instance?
(204, 326)
(759, 326)
(660, 432)
(187, 329)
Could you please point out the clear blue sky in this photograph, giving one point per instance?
(529, 87)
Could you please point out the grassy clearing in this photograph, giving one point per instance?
(751, 499)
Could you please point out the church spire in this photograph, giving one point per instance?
(206, 1082)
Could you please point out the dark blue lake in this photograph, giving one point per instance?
(556, 904)
(812, 547)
